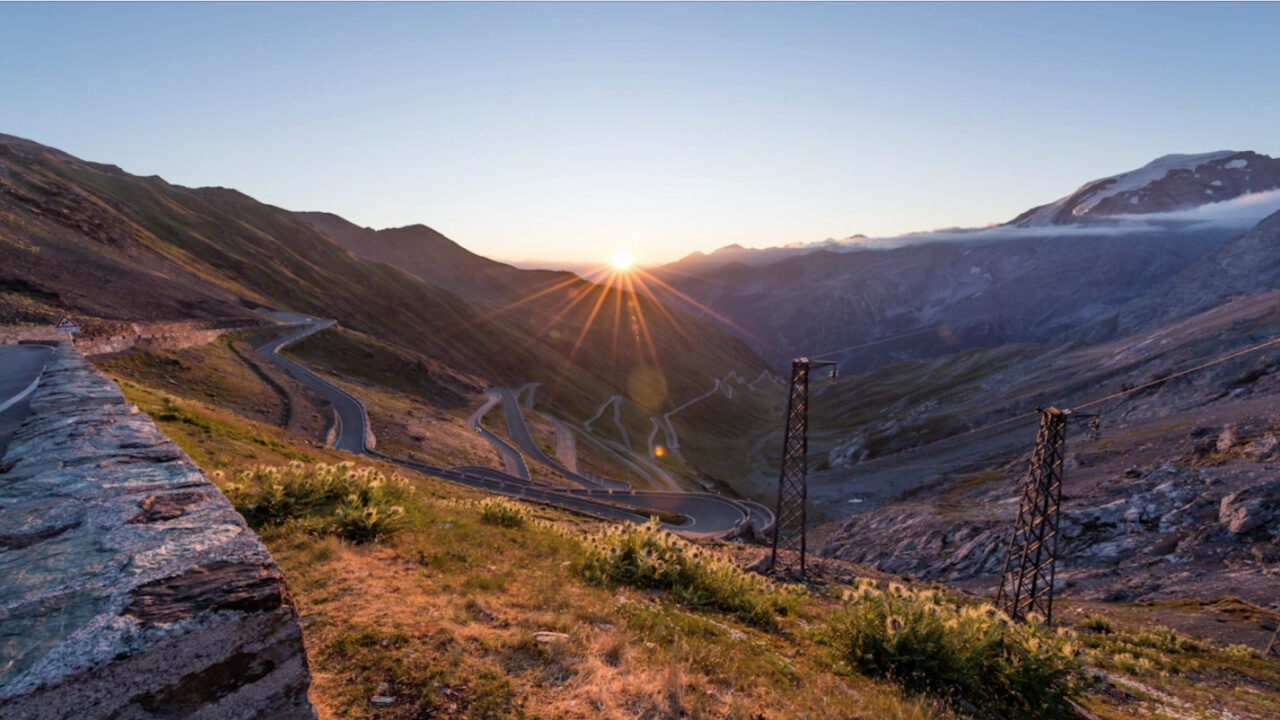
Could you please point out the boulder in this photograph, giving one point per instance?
(1252, 511)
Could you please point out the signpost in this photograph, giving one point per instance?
(67, 325)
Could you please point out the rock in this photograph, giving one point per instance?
(847, 452)
(1226, 439)
(1266, 553)
(1265, 448)
(1255, 509)
(382, 700)
(132, 587)
(547, 637)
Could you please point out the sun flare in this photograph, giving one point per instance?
(621, 260)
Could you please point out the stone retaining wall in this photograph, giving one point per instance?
(129, 586)
(102, 337)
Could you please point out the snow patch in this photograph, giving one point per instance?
(1103, 188)
(1236, 164)
(1145, 175)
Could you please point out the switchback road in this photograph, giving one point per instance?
(707, 514)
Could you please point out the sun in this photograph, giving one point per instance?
(621, 260)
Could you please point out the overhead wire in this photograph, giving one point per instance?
(1091, 403)
(983, 316)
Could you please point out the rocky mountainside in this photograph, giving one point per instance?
(1166, 184)
(1045, 276)
(1248, 264)
(933, 299)
(1176, 497)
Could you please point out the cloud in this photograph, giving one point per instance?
(1242, 212)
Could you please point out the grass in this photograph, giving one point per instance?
(442, 612)
(210, 374)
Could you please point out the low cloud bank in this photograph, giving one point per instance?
(1242, 212)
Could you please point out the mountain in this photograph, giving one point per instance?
(1246, 265)
(96, 242)
(1166, 184)
(1062, 268)
(436, 259)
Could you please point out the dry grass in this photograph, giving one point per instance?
(443, 616)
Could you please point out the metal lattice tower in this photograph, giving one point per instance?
(1027, 585)
(1273, 647)
(789, 523)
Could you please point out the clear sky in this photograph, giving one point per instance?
(565, 131)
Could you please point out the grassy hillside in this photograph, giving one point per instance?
(95, 241)
(511, 611)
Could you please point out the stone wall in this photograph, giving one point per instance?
(129, 586)
(102, 337)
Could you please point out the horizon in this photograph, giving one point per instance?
(656, 129)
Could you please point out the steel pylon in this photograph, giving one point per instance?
(789, 541)
(1027, 584)
(1273, 647)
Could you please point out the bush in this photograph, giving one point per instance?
(1097, 623)
(650, 558)
(503, 513)
(356, 504)
(1157, 649)
(972, 654)
(1241, 652)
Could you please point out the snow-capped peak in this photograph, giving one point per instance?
(1168, 183)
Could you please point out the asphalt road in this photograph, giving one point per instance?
(20, 368)
(353, 422)
(708, 515)
(519, 431)
(510, 456)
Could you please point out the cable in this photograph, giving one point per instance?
(1180, 373)
(1091, 403)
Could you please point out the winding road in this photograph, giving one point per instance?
(705, 514)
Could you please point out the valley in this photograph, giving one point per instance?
(513, 417)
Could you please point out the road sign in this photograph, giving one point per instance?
(67, 325)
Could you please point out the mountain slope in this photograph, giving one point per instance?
(1245, 265)
(933, 299)
(1061, 270)
(153, 250)
(1169, 183)
(429, 255)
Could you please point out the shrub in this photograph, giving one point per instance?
(1097, 623)
(650, 558)
(503, 513)
(1168, 640)
(1241, 652)
(355, 503)
(963, 653)
(1157, 649)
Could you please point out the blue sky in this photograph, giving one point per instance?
(564, 131)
